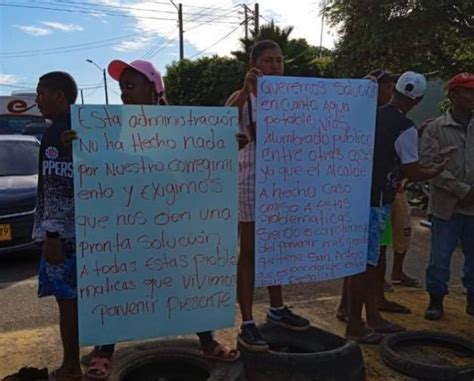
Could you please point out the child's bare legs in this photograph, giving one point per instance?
(68, 325)
(343, 308)
(246, 270)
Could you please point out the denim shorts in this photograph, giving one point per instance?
(377, 219)
(59, 280)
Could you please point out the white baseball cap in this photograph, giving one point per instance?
(411, 84)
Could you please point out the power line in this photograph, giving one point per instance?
(159, 50)
(189, 5)
(212, 8)
(82, 5)
(209, 21)
(100, 12)
(216, 42)
(155, 48)
(61, 48)
(87, 4)
(79, 11)
(265, 19)
(62, 51)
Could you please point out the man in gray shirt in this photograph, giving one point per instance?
(452, 193)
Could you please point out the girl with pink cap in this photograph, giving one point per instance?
(142, 84)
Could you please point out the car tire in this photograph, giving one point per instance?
(313, 355)
(131, 362)
(422, 370)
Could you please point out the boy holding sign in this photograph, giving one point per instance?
(266, 59)
(54, 218)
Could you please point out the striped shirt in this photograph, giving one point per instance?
(247, 166)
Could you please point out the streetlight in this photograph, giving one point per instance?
(105, 79)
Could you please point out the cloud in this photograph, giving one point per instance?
(131, 45)
(63, 27)
(205, 24)
(8, 79)
(34, 30)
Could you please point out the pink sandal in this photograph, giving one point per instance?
(221, 352)
(99, 368)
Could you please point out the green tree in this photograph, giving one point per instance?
(431, 36)
(207, 81)
(301, 59)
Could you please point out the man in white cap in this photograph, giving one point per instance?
(395, 157)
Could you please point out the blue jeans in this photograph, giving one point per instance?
(445, 236)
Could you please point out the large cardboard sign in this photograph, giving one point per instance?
(314, 162)
(156, 220)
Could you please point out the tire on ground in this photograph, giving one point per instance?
(422, 370)
(309, 355)
(185, 352)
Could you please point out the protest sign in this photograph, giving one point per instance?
(156, 220)
(314, 163)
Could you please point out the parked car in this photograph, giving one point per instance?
(36, 129)
(18, 182)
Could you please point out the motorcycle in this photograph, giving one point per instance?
(418, 195)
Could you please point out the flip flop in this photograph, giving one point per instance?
(221, 352)
(387, 287)
(99, 368)
(390, 328)
(407, 282)
(389, 306)
(370, 337)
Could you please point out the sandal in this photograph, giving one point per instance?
(389, 306)
(99, 368)
(370, 337)
(406, 281)
(221, 352)
(387, 287)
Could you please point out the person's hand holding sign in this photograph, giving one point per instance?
(67, 137)
(250, 81)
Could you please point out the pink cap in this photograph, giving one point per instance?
(116, 68)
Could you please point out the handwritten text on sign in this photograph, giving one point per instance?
(314, 165)
(156, 220)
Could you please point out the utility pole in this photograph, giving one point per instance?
(105, 87)
(82, 96)
(323, 6)
(246, 22)
(179, 8)
(256, 20)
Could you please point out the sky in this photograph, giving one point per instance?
(38, 36)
